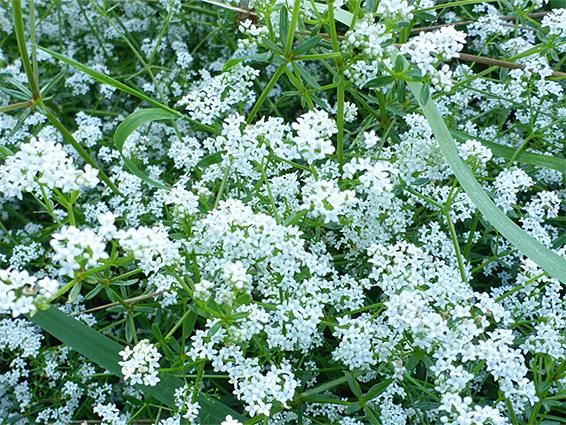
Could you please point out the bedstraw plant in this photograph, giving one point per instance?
(282, 212)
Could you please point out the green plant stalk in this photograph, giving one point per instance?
(84, 155)
(21, 38)
(271, 200)
(451, 227)
(341, 86)
(15, 106)
(453, 4)
(298, 83)
(266, 91)
(317, 56)
(33, 41)
(292, 27)
(177, 325)
(222, 185)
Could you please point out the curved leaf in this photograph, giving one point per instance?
(547, 259)
(128, 126)
(104, 352)
(507, 152)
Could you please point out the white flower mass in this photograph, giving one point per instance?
(229, 212)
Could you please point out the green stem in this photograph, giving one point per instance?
(179, 323)
(340, 88)
(20, 37)
(451, 227)
(222, 185)
(15, 106)
(266, 91)
(317, 56)
(293, 26)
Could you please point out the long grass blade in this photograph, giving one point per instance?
(104, 352)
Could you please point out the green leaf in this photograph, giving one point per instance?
(261, 57)
(548, 260)
(292, 220)
(271, 45)
(128, 126)
(424, 94)
(75, 291)
(353, 384)
(401, 64)
(283, 26)
(558, 164)
(105, 79)
(353, 408)
(94, 292)
(156, 332)
(306, 76)
(376, 390)
(104, 352)
(307, 45)
(380, 81)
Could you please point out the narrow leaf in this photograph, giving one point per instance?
(558, 164)
(128, 126)
(307, 45)
(103, 78)
(104, 352)
(548, 260)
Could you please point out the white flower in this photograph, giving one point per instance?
(42, 163)
(229, 420)
(140, 363)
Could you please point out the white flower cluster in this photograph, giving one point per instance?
(259, 387)
(367, 38)
(140, 363)
(487, 25)
(184, 202)
(313, 132)
(184, 404)
(110, 414)
(430, 48)
(395, 10)
(20, 335)
(42, 163)
(555, 22)
(214, 96)
(74, 249)
(507, 185)
(475, 154)
(20, 292)
(427, 298)
(324, 198)
(545, 205)
(244, 145)
(151, 247)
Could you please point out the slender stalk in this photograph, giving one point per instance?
(341, 86)
(21, 38)
(266, 91)
(293, 26)
(451, 228)
(317, 56)
(177, 325)
(15, 106)
(222, 185)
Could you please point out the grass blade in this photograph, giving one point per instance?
(507, 152)
(128, 126)
(548, 260)
(104, 352)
